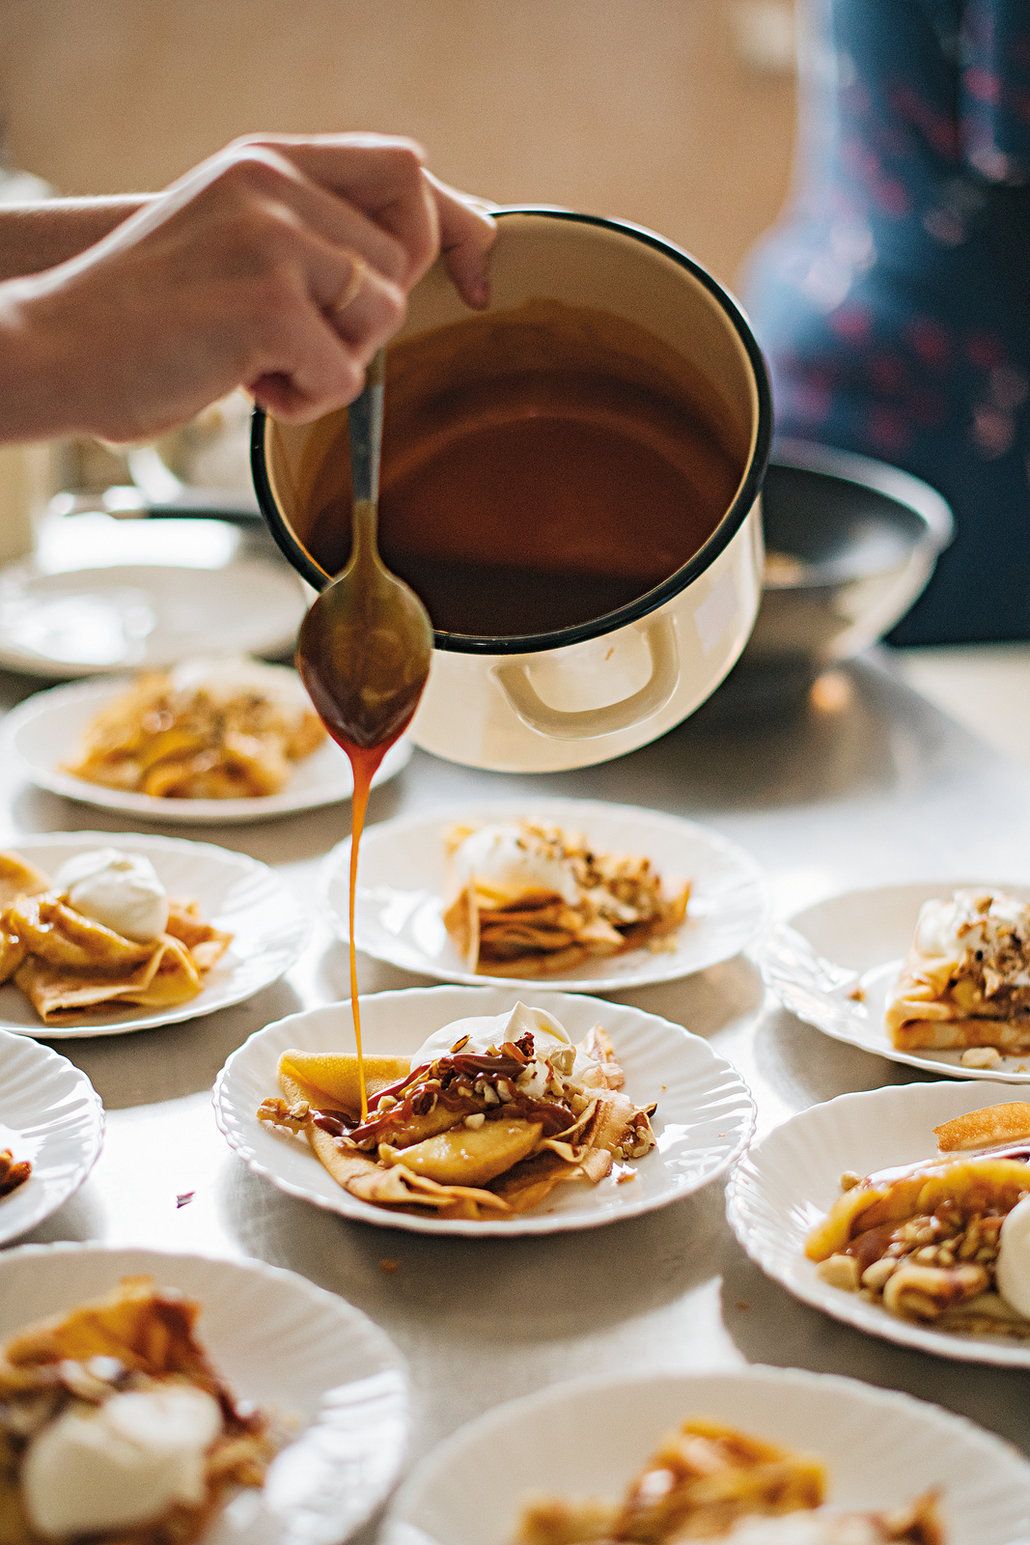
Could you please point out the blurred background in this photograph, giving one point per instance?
(675, 113)
(679, 114)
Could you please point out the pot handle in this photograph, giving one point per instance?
(589, 723)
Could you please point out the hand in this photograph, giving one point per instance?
(281, 264)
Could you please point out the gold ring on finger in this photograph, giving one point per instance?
(349, 291)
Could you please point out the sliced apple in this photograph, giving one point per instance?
(468, 1156)
(330, 1079)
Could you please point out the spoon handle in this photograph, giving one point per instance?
(365, 427)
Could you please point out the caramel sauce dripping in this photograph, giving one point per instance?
(364, 652)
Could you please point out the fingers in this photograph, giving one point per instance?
(381, 176)
(467, 234)
(317, 374)
(323, 335)
(386, 178)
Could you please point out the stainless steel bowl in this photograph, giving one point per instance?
(851, 543)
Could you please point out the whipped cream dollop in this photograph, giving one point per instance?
(817, 1528)
(121, 1464)
(1013, 1265)
(949, 928)
(503, 860)
(492, 1030)
(119, 890)
(553, 1049)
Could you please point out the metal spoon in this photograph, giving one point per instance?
(364, 649)
(365, 646)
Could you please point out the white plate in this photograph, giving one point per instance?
(855, 943)
(293, 1349)
(590, 1438)
(402, 882)
(790, 1179)
(233, 892)
(51, 1115)
(705, 1113)
(46, 729)
(158, 587)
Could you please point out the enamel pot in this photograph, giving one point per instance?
(577, 695)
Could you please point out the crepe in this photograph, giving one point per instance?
(704, 1480)
(965, 983)
(465, 1135)
(69, 965)
(230, 730)
(139, 1338)
(924, 1240)
(553, 903)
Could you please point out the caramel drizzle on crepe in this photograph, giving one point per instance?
(621, 906)
(702, 1481)
(142, 1335)
(67, 964)
(424, 1157)
(981, 1172)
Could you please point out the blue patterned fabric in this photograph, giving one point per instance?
(893, 300)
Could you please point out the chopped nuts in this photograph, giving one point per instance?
(875, 1277)
(840, 1271)
(13, 1172)
(981, 1057)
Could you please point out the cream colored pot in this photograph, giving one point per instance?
(547, 702)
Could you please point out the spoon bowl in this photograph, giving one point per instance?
(366, 644)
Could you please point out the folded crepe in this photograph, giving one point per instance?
(966, 980)
(437, 1139)
(551, 901)
(706, 1479)
(925, 1239)
(138, 1337)
(69, 965)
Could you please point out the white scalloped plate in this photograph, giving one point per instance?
(44, 731)
(234, 892)
(704, 1120)
(51, 1115)
(300, 1352)
(591, 1437)
(833, 963)
(402, 881)
(789, 1180)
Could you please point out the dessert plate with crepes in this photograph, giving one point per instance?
(102, 934)
(758, 1456)
(93, 742)
(577, 895)
(165, 1398)
(486, 1116)
(902, 1211)
(932, 974)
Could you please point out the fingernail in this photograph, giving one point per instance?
(479, 294)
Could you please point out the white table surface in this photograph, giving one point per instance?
(870, 783)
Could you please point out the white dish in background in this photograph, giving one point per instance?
(300, 1353)
(590, 1438)
(108, 595)
(704, 1120)
(833, 964)
(234, 892)
(47, 729)
(51, 1115)
(790, 1179)
(401, 887)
